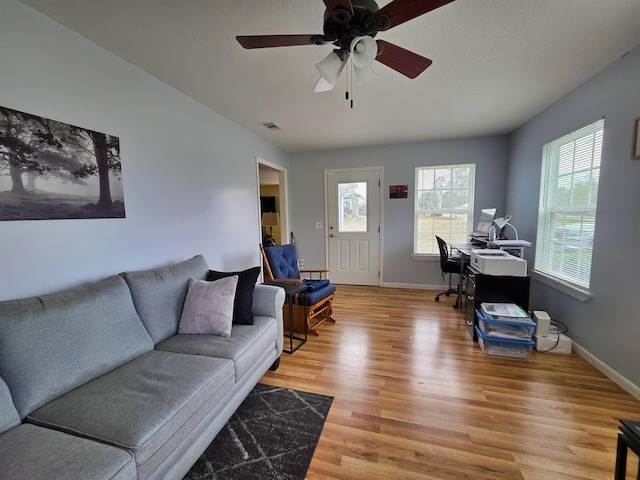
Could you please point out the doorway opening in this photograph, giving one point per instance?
(272, 203)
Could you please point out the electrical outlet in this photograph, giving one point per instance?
(318, 225)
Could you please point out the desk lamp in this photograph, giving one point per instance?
(503, 222)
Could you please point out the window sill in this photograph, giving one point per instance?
(574, 291)
(425, 257)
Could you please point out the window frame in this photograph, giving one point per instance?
(566, 224)
(419, 237)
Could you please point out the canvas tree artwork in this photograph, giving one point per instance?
(53, 170)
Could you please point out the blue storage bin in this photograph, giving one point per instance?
(511, 330)
(504, 347)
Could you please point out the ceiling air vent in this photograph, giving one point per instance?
(270, 126)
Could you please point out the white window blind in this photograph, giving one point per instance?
(567, 209)
(443, 206)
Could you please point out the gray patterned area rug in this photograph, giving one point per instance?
(272, 435)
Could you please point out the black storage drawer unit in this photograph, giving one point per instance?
(493, 289)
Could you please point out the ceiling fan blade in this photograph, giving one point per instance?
(268, 41)
(343, 4)
(403, 61)
(400, 11)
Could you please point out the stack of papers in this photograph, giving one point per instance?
(509, 312)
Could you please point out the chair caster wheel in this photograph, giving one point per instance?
(437, 299)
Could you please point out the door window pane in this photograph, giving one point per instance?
(352, 205)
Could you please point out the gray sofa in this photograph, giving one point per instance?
(95, 383)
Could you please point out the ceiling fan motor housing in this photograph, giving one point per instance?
(340, 28)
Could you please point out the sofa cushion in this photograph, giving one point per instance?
(51, 344)
(9, 417)
(142, 405)
(36, 453)
(159, 294)
(208, 308)
(244, 347)
(244, 293)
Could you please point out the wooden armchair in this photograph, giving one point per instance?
(281, 265)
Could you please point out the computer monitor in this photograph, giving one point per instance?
(486, 219)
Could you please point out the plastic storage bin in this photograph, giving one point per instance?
(504, 347)
(511, 330)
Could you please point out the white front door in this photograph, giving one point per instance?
(353, 203)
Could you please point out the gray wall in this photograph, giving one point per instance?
(607, 325)
(399, 163)
(189, 174)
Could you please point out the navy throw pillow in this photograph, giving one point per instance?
(244, 293)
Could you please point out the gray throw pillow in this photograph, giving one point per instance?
(208, 307)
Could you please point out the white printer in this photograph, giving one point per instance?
(493, 261)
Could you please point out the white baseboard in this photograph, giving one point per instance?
(417, 286)
(622, 382)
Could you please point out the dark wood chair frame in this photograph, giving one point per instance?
(316, 314)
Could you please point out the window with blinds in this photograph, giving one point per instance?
(567, 209)
(443, 206)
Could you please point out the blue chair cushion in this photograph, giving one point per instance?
(313, 285)
(283, 260)
(312, 297)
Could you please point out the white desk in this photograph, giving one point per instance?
(464, 248)
(514, 247)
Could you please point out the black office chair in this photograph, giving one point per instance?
(449, 265)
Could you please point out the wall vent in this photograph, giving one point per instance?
(271, 126)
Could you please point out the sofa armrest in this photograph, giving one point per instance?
(268, 301)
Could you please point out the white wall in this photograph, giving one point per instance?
(607, 325)
(399, 163)
(189, 174)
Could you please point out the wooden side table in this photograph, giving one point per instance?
(628, 439)
(290, 291)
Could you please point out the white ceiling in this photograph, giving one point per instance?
(496, 63)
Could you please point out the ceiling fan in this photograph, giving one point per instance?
(350, 26)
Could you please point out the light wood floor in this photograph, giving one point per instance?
(414, 397)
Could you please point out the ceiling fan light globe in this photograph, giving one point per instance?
(363, 51)
(363, 76)
(323, 86)
(329, 68)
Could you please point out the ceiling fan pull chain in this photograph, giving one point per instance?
(349, 80)
(346, 80)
